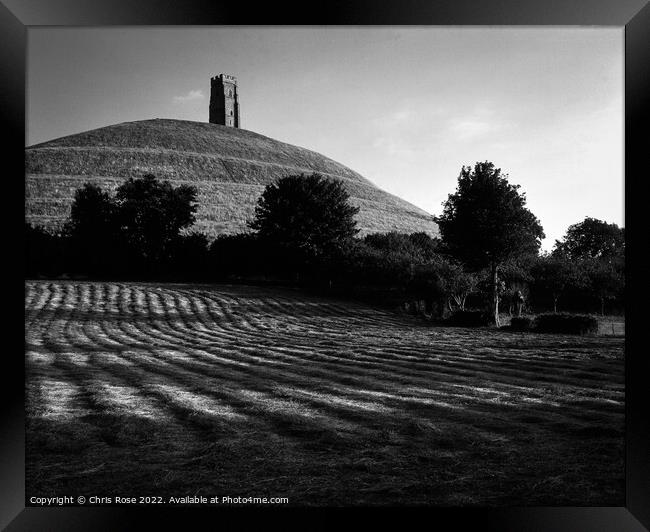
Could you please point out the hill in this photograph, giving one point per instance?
(229, 166)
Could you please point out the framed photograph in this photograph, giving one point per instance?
(386, 258)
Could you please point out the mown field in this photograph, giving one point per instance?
(176, 390)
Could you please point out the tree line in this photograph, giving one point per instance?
(304, 232)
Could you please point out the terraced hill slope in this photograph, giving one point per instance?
(230, 167)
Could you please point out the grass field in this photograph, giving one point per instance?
(176, 390)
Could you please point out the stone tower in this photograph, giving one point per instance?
(224, 101)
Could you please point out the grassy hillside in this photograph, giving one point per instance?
(172, 390)
(230, 167)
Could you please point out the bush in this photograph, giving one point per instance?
(468, 318)
(521, 324)
(45, 253)
(566, 323)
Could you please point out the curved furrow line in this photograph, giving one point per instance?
(335, 369)
(190, 304)
(140, 334)
(290, 337)
(171, 335)
(144, 332)
(319, 401)
(233, 318)
(31, 293)
(376, 378)
(298, 376)
(159, 330)
(383, 358)
(294, 313)
(292, 340)
(74, 376)
(184, 305)
(158, 320)
(301, 358)
(226, 335)
(55, 298)
(390, 363)
(330, 324)
(93, 337)
(118, 340)
(506, 353)
(177, 327)
(159, 325)
(173, 329)
(110, 394)
(334, 309)
(237, 402)
(111, 400)
(57, 399)
(509, 363)
(206, 327)
(235, 395)
(282, 306)
(312, 353)
(70, 298)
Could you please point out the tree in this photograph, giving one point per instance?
(457, 283)
(606, 278)
(598, 250)
(418, 246)
(592, 238)
(92, 230)
(486, 222)
(45, 252)
(139, 226)
(553, 274)
(190, 256)
(150, 216)
(308, 216)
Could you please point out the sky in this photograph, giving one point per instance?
(405, 107)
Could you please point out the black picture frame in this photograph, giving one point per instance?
(16, 16)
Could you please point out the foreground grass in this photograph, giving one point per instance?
(136, 389)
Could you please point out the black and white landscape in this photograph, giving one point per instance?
(217, 311)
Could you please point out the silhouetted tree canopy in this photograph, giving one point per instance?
(605, 278)
(555, 274)
(416, 245)
(486, 222)
(92, 230)
(592, 238)
(597, 249)
(45, 252)
(92, 212)
(151, 214)
(137, 230)
(307, 215)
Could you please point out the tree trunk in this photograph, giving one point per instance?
(555, 305)
(602, 306)
(495, 294)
